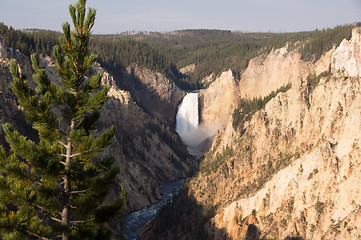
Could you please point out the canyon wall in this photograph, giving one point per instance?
(9, 110)
(218, 102)
(153, 91)
(293, 170)
(148, 152)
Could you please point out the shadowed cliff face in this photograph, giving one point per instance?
(149, 152)
(292, 171)
(9, 110)
(155, 93)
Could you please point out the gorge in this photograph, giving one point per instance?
(138, 219)
(187, 119)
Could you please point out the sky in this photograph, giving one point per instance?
(117, 16)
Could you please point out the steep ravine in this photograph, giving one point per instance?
(293, 169)
(150, 153)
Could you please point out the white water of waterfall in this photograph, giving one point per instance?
(187, 121)
(187, 116)
(187, 126)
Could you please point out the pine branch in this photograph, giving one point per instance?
(80, 191)
(82, 221)
(79, 154)
(64, 163)
(41, 208)
(32, 234)
(28, 232)
(82, 153)
(61, 143)
(56, 219)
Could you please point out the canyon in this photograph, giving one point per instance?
(289, 171)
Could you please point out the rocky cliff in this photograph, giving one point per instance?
(298, 176)
(3, 52)
(157, 94)
(218, 102)
(9, 110)
(147, 151)
(292, 170)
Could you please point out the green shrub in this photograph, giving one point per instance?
(246, 108)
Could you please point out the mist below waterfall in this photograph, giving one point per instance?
(187, 121)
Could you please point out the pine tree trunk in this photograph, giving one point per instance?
(66, 189)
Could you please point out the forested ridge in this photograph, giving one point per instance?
(29, 41)
(215, 51)
(212, 51)
(116, 54)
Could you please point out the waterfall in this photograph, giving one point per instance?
(187, 120)
(190, 131)
(187, 116)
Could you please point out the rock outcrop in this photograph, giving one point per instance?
(301, 178)
(218, 102)
(154, 92)
(265, 74)
(347, 56)
(188, 69)
(3, 51)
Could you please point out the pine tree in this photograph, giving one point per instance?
(54, 187)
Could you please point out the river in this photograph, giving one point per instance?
(187, 121)
(137, 219)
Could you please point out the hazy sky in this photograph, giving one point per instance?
(115, 16)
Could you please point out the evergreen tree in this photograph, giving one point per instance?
(54, 187)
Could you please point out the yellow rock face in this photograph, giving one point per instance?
(295, 169)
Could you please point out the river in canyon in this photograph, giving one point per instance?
(187, 126)
(137, 219)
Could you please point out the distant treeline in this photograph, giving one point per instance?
(215, 51)
(29, 41)
(212, 51)
(320, 41)
(115, 54)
